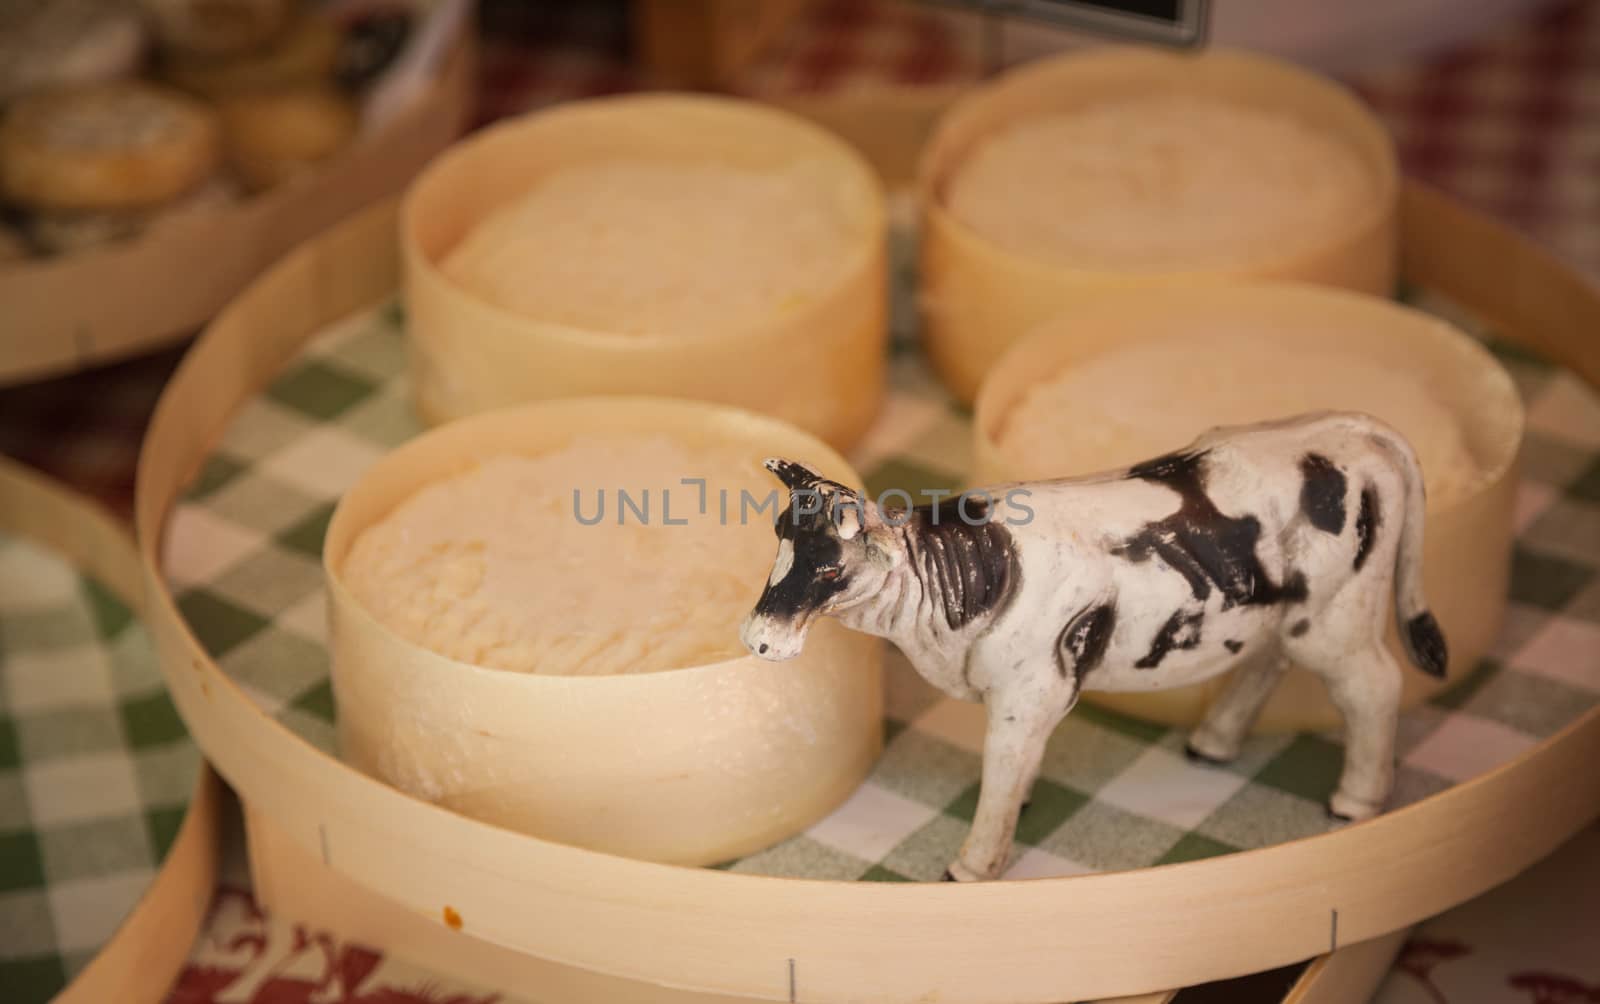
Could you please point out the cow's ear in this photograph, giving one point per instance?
(857, 513)
(871, 515)
(849, 517)
(792, 473)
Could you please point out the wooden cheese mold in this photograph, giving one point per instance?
(979, 298)
(1468, 539)
(820, 366)
(733, 761)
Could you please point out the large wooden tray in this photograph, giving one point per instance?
(58, 315)
(711, 932)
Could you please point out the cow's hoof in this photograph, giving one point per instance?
(957, 872)
(1350, 810)
(1197, 756)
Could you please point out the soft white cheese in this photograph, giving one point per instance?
(1159, 182)
(494, 567)
(670, 248)
(1147, 398)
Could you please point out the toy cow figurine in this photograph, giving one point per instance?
(1253, 546)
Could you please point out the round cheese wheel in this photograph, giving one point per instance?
(306, 52)
(1118, 166)
(662, 247)
(673, 245)
(1148, 398)
(272, 136)
(70, 232)
(66, 233)
(1127, 375)
(217, 27)
(570, 668)
(13, 245)
(501, 566)
(55, 43)
(1160, 181)
(114, 146)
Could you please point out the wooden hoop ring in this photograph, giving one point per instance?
(1041, 940)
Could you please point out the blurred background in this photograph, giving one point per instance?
(1495, 101)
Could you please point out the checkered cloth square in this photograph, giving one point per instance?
(1115, 792)
(95, 769)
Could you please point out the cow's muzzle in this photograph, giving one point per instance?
(771, 638)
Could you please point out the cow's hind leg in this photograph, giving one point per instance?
(1221, 733)
(1365, 686)
(1013, 745)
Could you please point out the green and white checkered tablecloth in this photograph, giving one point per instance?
(1115, 793)
(96, 769)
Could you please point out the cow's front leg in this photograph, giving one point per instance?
(1012, 748)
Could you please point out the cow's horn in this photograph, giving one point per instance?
(792, 473)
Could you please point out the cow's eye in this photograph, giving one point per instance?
(828, 573)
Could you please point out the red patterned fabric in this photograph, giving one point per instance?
(839, 44)
(244, 957)
(85, 429)
(1511, 125)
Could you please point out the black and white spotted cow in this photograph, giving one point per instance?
(1253, 546)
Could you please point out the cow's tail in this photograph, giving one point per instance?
(1419, 631)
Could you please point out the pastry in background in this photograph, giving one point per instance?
(373, 40)
(13, 245)
(105, 147)
(252, 94)
(70, 232)
(67, 232)
(272, 136)
(217, 27)
(53, 43)
(305, 52)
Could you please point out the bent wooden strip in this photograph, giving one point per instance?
(716, 932)
(291, 881)
(1349, 975)
(139, 962)
(1509, 281)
